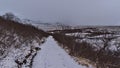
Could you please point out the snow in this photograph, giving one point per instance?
(53, 56)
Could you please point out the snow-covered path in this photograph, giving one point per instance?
(53, 56)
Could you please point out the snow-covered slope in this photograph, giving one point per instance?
(53, 56)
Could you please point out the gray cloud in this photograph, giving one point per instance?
(85, 12)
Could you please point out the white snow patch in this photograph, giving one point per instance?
(53, 56)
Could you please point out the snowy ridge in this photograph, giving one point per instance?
(53, 56)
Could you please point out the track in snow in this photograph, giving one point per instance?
(53, 56)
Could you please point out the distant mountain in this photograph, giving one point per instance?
(46, 26)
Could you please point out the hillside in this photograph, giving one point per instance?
(98, 46)
(19, 43)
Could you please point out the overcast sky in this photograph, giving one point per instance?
(85, 12)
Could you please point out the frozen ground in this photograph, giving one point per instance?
(53, 56)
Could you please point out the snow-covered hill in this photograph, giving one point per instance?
(18, 44)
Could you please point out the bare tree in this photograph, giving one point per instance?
(11, 16)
